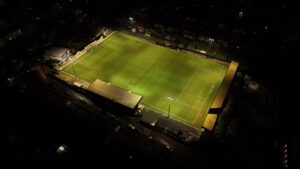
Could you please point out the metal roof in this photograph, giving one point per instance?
(114, 93)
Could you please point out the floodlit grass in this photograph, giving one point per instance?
(154, 72)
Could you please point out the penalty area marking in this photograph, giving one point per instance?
(212, 87)
(187, 84)
(174, 117)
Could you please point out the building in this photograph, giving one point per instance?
(57, 54)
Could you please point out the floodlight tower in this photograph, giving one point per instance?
(131, 20)
(211, 41)
(241, 14)
(74, 71)
(170, 99)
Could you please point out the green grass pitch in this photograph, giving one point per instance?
(154, 72)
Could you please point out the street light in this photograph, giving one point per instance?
(170, 99)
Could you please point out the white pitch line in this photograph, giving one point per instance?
(187, 84)
(200, 110)
(192, 107)
(207, 98)
(133, 81)
(172, 115)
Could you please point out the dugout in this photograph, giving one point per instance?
(114, 98)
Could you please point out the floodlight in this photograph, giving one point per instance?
(62, 148)
(170, 98)
(241, 14)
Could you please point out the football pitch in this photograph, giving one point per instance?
(154, 72)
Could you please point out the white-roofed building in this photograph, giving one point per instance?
(57, 54)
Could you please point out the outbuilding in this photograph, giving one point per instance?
(57, 54)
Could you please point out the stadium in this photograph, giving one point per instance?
(176, 84)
